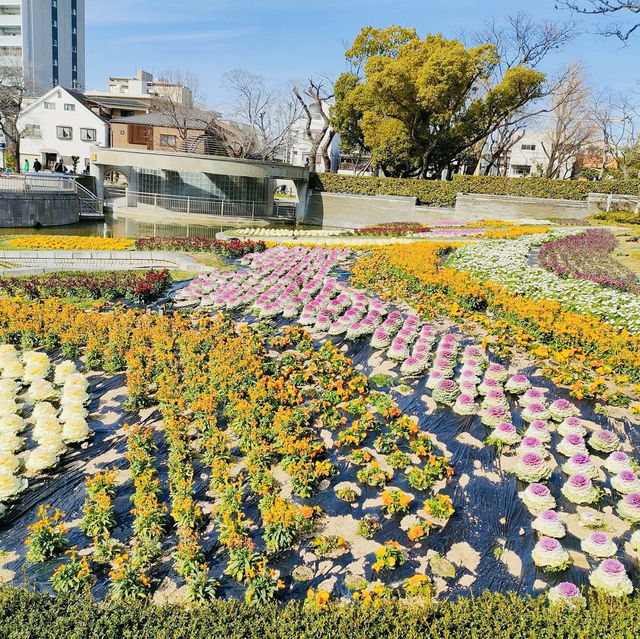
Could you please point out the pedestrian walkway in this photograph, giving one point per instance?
(33, 262)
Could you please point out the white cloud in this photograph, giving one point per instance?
(218, 34)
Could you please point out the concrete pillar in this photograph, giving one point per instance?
(272, 184)
(302, 190)
(98, 172)
(132, 181)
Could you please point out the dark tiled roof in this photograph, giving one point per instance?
(198, 121)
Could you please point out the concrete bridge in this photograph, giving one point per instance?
(207, 184)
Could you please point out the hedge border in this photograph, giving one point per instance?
(442, 193)
(29, 615)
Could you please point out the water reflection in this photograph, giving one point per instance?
(119, 227)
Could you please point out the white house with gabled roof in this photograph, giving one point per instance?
(60, 125)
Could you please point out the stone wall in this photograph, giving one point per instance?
(353, 211)
(483, 207)
(598, 202)
(33, 209)
(341, 210)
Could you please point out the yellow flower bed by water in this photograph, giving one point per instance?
(71, 243)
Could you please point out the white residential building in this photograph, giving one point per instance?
(527, 158)
(143, 87)
(47, 39)
(60, 125)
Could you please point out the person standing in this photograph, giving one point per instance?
(37, 166)
(26, 165)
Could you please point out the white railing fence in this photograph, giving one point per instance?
(203, 206)
(46, 183)
(24, 184)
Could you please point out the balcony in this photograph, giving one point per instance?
(13, 41)
(10, 21)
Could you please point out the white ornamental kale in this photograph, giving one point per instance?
(507, 262)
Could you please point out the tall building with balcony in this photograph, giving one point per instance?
(47, 39)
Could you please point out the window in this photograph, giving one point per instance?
(32, 131)
(69, 107)
(528, 147)
(521, 169)
(88, 135)
(50, 106)
(168, 140)
(64, 132)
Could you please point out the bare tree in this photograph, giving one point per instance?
(616, 119)
(497, 146)
(571, 124)
(264, 115)
(14, 91)
(519, 41)
(178, 96)
(622, 29)
(321, 138)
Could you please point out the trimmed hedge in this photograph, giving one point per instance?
(431, 192)
(439, 193)
(28, 615)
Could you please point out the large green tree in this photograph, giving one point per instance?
(419, 105)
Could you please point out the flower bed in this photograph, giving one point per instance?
(507, 262)
(140, 286)
(71, 243)
(228, 248)
(543, 327)
(588, 256)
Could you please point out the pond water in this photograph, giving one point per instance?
(120, 227)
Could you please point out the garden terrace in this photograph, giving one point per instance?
(292, 435)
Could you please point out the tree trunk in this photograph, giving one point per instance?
(324, 151)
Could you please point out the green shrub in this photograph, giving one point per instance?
(29, 615)
(439, 193)
(619, 217)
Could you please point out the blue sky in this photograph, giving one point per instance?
(286, 40)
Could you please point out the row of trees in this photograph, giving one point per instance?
(423, 107)
(417, 107)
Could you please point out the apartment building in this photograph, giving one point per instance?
(47, 39)
(143, 88)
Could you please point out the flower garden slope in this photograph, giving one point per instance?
(507, 262)
(589, 256)
(544, 328)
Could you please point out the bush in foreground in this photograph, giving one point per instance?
(29, 615)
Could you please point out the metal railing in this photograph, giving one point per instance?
(198, 205)
(25, 184)
(45, 183)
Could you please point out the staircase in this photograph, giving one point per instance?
(91, 206)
